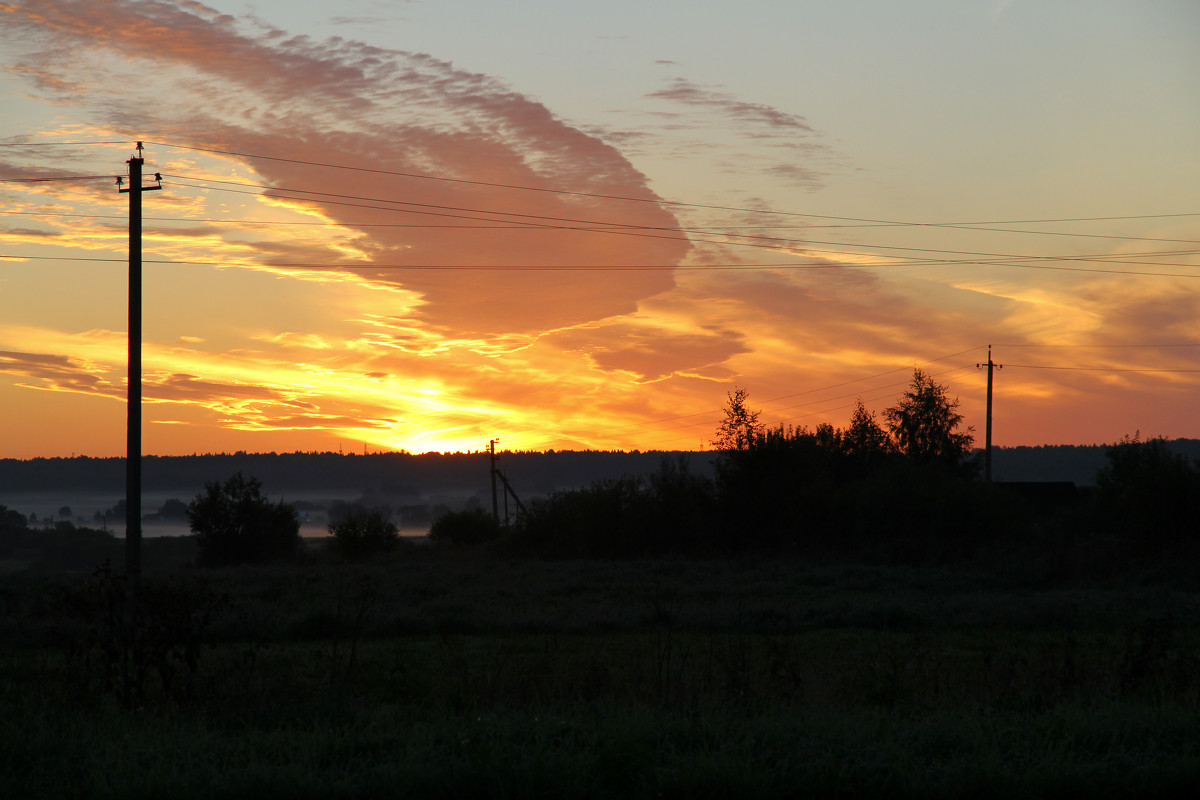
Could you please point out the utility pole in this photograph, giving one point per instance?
(987, 446)
(133, 441)
(492, 453)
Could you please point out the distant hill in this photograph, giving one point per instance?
(390, 473)
(1077, 463)
(403, 474)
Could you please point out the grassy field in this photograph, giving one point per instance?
(468, 677)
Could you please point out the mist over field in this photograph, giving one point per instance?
(412, 487)
(316, 481)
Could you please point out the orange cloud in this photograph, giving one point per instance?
(461, 125)
(60, 373)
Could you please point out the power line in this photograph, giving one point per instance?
(994, 259)
(711, 413)
(53, 144)
(637, 230)
(239, 222)
(890, 387)
(1173, 344)
(454, 267)
(871, 222)
(967, 226)
(997, 260)
(503, 225)
(661, 201)
(629, 229)
(774, 241)
(1099, 369)
(880, 396)
(59, 178)
(722, 267)
(872, 377)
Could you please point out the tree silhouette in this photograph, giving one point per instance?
(235, 523)
(865, 437)
(361, 533)
(924, 425)
(740, 428)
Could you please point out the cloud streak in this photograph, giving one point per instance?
(682, 90)
(388, 110)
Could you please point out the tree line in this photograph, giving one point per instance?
(902, 486)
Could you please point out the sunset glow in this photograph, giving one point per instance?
(378, 229)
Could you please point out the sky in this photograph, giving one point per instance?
(422, 225)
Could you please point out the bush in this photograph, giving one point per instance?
(1149, 495)
(609, 519)
(472, 526)
(671, 512)
(235, 523)
(156, 653)
(360, 534)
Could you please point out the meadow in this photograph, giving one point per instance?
(460, 674)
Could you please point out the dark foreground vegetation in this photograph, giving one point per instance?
(431, 676)
(835, 613)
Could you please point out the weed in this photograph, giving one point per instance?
(120, 647)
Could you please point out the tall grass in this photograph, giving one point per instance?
(440, 678)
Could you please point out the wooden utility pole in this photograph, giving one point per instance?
(508, 490)
(987, 446)
(492, 453)
(133, 441)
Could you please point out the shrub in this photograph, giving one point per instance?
(1148, 494)
(360, 534)
(153, 653)
(235, 523)
(671, 512)
(606, 520)
(472, 526)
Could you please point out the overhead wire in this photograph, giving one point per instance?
(657, 200)
(879, 392)
(908, 261)
(698, 268)
(53, 178)
(629, 229)
(704, 230)
(719, 267)
(1100, 369)
(774, 243)
(1051, 344)
(712, 413)
(53, 144)
(866, 221)
(891, 392)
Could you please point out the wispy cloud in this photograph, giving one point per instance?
(712, 125)
(682, 90)
(60, 373)
(221, 84)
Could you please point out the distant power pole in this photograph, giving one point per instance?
(987, 446)
(133, 442)
(492, 453)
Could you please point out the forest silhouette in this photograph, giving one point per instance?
(900, 487)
